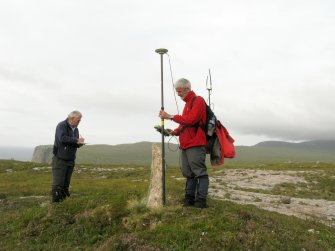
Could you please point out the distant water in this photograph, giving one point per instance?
(16, 153)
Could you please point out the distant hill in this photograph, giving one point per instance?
(140, 153)
(136, 153)
(318, 150)
(316, 144)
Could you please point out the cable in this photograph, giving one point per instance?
(174, 92)
(173, 150)
(175, 99)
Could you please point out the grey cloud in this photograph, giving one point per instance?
(22, 79)
(272, 65)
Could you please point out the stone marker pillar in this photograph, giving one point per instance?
(155, 194)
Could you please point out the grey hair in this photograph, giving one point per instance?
(183, 83)
(75, 114)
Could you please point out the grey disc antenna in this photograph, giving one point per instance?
(161, 51)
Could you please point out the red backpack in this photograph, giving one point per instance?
(220, 143)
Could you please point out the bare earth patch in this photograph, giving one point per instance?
(227, 185)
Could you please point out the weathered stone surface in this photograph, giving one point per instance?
(155, 194)
(245, 186)
(285, 199)
(42, 154)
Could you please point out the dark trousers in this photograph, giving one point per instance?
(195, 171)
(61, 174)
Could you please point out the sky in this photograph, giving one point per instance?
(272, 65)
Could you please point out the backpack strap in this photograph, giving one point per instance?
(192, 102)
(199, 123)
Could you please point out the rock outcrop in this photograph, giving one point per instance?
(42, 154)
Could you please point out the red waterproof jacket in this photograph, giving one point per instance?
(189, 134)
(223, 146)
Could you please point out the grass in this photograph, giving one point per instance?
(106, 211)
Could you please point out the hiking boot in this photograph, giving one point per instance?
(200, 203)
(188, 201)
(66, 192)
(57, 195)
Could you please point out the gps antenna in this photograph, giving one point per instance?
(209, 87)
(162, 51)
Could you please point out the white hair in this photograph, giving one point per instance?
(183, 83)
(75, 114)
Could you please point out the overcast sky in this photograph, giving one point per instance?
(272, 65)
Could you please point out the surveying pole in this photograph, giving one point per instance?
(162, 51)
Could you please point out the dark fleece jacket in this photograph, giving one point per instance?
(65, 146)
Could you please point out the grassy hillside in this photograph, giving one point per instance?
(282, 154)
(123, 154)
(315, 144)
(140, 153)
(106, 212)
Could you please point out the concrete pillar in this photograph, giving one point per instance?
(155, 194)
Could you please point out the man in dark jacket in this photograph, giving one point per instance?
(192, 140)
(67, 140)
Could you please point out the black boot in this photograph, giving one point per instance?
(66, 192)
(200, 203)
(57, 195)
(188, 200)
(190, 187)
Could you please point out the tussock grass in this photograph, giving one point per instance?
(106, 211)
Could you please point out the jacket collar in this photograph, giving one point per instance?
(189, 96)
(68, 124)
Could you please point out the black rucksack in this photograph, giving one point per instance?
(209, 126)
(218, 149)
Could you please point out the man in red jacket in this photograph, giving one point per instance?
(192, 140)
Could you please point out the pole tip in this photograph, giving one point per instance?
(161, 51)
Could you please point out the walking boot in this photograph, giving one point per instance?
(57, 195)
(200, 203)
(66, 192)
(188, 200)
(190, 187)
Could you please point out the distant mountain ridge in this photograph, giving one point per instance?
(319, 144)
(135, 153)
(140, 153)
